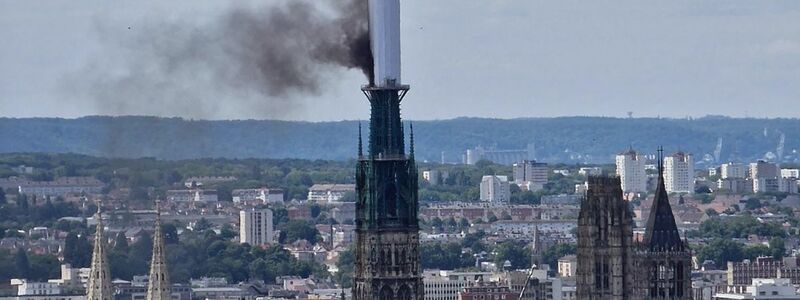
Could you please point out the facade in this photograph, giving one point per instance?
(192, 195)
(733, 170)
(62, 186)
(567, 266)
(446, 285)
(495, 189)
(631, 171)
(663, 261)
(482, 291)
(605, 242)
(255, 227)
(790, 173)
(329, 193)
(530, 175)
(263, 195)
(679, 173)
(764, 289)
(765, 176)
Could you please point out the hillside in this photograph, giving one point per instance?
(566, 139)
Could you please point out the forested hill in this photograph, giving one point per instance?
(565, 139)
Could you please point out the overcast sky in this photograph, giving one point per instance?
(498, 59)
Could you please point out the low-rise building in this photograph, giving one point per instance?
(446, 285)
(329, 193)
(764, 289)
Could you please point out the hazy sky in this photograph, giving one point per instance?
(462, 58)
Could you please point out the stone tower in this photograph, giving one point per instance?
(605, 237)
(387, 262)
(99, 286)
(664, 260)
(158, 287)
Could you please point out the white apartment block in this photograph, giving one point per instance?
(195, 195)
(61, 186)
(631, 170)
(679, 173)
(790, 173)
(329, 193)
(264, 195)
(530, 175)
(255, 227)
(733, 170)
(495, 189)
(445, 285)
(567, 266)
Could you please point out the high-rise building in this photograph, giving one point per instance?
(765, 176)
(679, 173)
(733, 170)
(495, 189)
(255, 227)
(663, 260)
(530, 175)
(99, 286)
(605, 242)
(158, 286)
(631, 171)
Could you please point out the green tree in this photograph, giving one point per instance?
(513, 252)
(298, 230)
(345, 265)
(22, 264)
(777, 247)
(121, 243)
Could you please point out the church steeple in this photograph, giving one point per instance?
(662, 233)
(158, 287)
(99, 286)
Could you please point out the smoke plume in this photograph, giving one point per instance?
(254, 59)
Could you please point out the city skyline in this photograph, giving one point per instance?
(672, 59)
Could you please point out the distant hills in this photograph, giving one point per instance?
(564, 139)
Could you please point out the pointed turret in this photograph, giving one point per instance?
(536, 251)
(662, 233)
(99, 286)
(158, 287)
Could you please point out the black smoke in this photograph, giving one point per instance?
(245, 59)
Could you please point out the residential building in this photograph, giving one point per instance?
(631, 171)
(790, 173)
(679, 173)
(733, 170)
(495, 189)
(567, 266)
(263, 195)
(446, 285)
(530, 175)
(434, 177)
(61, 186)
(764, 289)
(329, 193)
(192, 195)
(735, 185)
(255, 227)
(590, 171)
(765, 176)
(490, 290)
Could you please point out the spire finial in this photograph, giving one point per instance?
(660, 161)
(360, 146)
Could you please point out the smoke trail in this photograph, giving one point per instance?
(244, 60)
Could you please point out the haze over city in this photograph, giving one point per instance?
(497, 59)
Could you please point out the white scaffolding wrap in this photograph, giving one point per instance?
(384, 26)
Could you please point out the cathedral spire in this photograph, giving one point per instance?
(661, 233)
(158, 287)
(99, 286)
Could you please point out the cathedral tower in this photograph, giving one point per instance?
(605, 236)
(158, 287)
(664, 260)
(99, 286)
(387, 264)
